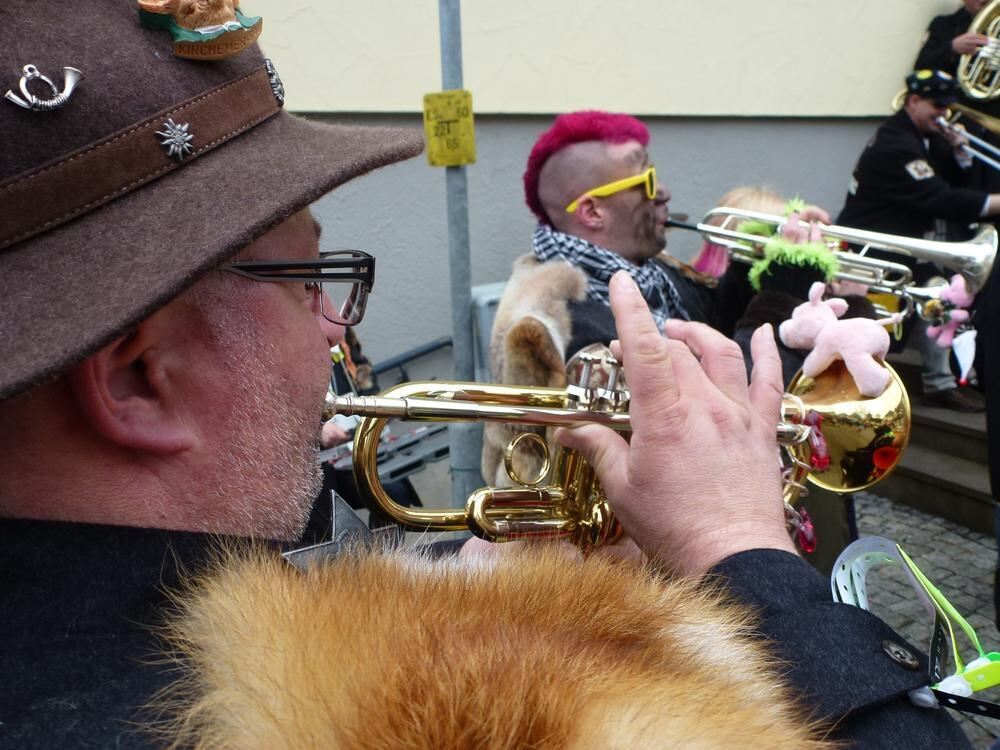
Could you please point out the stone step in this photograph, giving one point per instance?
(954, 433)
(943, 485)
(949, 432)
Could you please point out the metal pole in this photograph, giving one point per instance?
(465, 437)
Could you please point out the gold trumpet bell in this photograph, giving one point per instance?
(860, 440)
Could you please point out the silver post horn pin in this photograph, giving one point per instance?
(71, 77)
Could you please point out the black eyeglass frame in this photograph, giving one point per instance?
(276, 270)
(335, 266)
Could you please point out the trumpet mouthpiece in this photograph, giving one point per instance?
(368, 406)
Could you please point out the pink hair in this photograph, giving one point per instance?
(713, 260)
(576, 127)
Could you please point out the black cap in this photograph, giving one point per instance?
(936, 85)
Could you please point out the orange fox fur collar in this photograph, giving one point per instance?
(527, 650)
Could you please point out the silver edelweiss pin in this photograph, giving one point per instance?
(176, 139)
(277, 88)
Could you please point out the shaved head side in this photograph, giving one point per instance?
(570, 173)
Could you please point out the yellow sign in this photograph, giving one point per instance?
(449, 127)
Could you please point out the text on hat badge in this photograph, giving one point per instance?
(28, 100)
(202, 29)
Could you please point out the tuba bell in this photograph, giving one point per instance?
(833, 437)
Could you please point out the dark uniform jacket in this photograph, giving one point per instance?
(901, 183)
(79, 660)
(937, 53)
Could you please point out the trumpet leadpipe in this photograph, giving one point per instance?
(454, 410)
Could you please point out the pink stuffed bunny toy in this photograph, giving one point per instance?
(951, 319)
(861, 342)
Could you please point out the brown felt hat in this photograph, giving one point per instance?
(153, 171)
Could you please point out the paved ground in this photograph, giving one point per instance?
(958, 561)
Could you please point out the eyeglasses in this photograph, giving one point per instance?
(648, 178)
(337, 284)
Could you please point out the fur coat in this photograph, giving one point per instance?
(530, 649)
(531, 331)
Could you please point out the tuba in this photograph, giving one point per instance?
(834, 437)
(979, 73)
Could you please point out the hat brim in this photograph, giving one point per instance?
(66, 293)
(944, 100)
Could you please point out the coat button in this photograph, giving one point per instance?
(903, 657)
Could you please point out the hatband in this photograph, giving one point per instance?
(43, 198)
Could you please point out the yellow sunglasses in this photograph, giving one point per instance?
(648, 178)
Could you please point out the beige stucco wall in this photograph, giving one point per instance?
(783, 93)
(666, 57)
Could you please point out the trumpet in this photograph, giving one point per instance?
(972, 259)
(987, 153)
(834, 438)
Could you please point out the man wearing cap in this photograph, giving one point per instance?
(912, 179)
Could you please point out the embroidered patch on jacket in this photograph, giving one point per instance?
(919, 169)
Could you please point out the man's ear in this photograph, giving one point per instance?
(589, 213)
(128, 397)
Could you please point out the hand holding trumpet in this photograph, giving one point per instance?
(956, 135)
(699, 480)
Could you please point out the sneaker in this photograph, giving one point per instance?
(956, 399)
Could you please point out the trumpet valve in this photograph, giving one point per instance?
(989, 53)
(598, 381)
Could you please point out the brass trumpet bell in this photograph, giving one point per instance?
(864, 437)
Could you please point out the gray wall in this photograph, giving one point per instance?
(398, 213)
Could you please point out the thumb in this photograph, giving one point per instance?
(604, 449)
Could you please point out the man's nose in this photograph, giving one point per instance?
(662, 192)
(334, 333)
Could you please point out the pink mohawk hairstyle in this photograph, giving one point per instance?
(576, 127)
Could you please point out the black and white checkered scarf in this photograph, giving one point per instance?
(600, 264)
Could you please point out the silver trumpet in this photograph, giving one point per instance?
(972, 259)
(987, 153)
